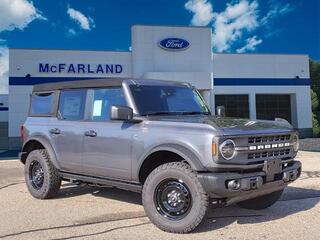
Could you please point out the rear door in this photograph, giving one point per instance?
(66, 131)
(107, 144)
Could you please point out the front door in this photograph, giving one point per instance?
(67, 132)
(107, 144)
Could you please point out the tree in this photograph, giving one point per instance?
(315, 125)
(315, 76)
(315, 95)
(314, 101)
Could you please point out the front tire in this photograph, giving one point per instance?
(174, 199)
(42, 178)
(262, 202)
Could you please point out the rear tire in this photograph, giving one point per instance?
(174, 199)
(41, 176)
(262, 202)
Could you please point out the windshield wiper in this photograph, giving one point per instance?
(158, 113)
(174, 113)
(194, 113)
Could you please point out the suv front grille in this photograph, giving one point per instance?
(265, 139)
(272, 146)
(275, 153)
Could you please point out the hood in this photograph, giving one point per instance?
(231, 126)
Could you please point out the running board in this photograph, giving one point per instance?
(134, 187)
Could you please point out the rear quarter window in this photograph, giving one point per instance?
(42, 104)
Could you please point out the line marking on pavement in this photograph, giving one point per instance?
(103, 232)
(11, 184)
(67, 226)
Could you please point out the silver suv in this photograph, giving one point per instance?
(158, 138)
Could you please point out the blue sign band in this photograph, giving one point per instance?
(217, 81)
(261, 82)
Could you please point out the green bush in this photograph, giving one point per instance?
(315, 126)
(314, 101)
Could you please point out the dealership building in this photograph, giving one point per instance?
(256, 86)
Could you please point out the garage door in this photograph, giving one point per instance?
(271, 106)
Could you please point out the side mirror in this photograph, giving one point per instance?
(221, 111)
(123, 113)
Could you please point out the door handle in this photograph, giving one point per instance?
(55, 131)
(90, 133)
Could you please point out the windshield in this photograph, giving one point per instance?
(157, 100)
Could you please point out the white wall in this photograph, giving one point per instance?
(197, 79)
(260, 66)
(193, 64)
(19, 99)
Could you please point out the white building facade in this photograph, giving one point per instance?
(252, 86)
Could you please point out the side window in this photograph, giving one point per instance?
(101, 101)
(42, 103)
(72, 104)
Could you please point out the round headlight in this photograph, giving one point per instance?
(295, 142)
(227, 149)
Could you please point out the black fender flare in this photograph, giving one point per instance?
(47, 145)
(188, 155)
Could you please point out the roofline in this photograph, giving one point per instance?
(171, 26)
(75, 50)
(274, 54)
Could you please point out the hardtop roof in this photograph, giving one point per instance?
(99, 82)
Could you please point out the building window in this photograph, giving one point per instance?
(271, 106)
(235, 105)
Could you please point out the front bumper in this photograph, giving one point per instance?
(247, 185)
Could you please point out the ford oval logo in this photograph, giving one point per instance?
(175, 44)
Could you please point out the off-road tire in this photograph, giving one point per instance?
(51, 178)
(199, 204)
(262, 202)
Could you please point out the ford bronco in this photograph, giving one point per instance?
(158, 138)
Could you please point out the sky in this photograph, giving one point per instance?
(238, 26)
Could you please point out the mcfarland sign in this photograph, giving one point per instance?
(80, 68)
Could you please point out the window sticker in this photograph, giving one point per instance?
(97, 108)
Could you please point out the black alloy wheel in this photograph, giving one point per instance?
(36, 174)
(173, 199)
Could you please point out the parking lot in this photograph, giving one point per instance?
(107, 213)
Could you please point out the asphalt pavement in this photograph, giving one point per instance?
(108, 213)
